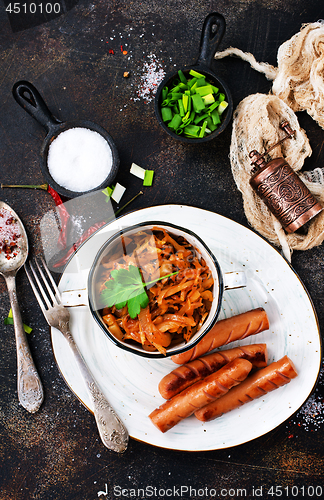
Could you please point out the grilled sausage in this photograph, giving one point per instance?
(256, 385)
(183, 376)
(225, 331)
(199, 394)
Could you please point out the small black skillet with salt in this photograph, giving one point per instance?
(78, 156)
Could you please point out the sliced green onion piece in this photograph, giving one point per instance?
(194, 73)
(210, 124)
(192, 130)
(118, 192)
(208, 99)
(192, 82)
(108, 192)
(164, 93)
(148, 178)
(221, 97)
(175, 122)
(201, 81)
(175, 96)
(199, 118)
(213, 106)
(206, 89)
(183, 79)
(166, 114)
(9, 321)
(215, 117)
(203, 129)
(137, 171)
(221, 108)
(197, 102)
(185, 100)
(181, 108)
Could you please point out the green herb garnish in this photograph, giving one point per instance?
(193, 106)
(9, 321)
(127, 287)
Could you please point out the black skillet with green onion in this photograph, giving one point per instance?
(192, 106)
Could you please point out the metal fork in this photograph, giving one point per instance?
(112, 431)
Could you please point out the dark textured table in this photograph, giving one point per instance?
(76, 60)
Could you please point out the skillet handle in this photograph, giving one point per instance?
(212, 33)
(31, 101)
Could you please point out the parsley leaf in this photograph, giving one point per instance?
(127, 287)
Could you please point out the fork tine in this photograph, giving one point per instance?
(40, 286)
(47, 285)
(57, 291)
(34, 288)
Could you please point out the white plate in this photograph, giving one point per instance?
(130, 382)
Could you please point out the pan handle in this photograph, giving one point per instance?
(212, 33)
(31, 101)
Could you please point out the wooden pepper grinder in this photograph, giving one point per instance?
(281, 189)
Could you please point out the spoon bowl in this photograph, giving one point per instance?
(13, 255)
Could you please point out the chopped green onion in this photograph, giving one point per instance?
(215, 117)
(206, 89)
(200, 118)
(166, 114)
(197, 102)
(175, 122)
(194, 73)
(213, 106)
(165, 92)
(108, 192)
(221, 108)
(192, 82)
(190, 102)
(183, 79)
(9, 321)
(192, 130)
(203, 129)
(137, 171)
(118, 192)
(148, 178)
(181, 108)
(208, 99)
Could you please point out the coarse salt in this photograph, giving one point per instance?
(152, 77)
(79, 159)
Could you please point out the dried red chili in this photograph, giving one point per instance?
(64, 215)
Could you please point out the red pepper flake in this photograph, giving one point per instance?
(9, 234)
(125, 52)
(121, 48)
(111, 51)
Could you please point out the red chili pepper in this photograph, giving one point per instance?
(64, 215)
(76, 245)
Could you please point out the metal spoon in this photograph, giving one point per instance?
(29, 386)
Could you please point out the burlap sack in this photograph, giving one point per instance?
(298, 85)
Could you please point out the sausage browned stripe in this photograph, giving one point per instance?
(183, 376)
(199, 394)
(256, 385)
(227, 330)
